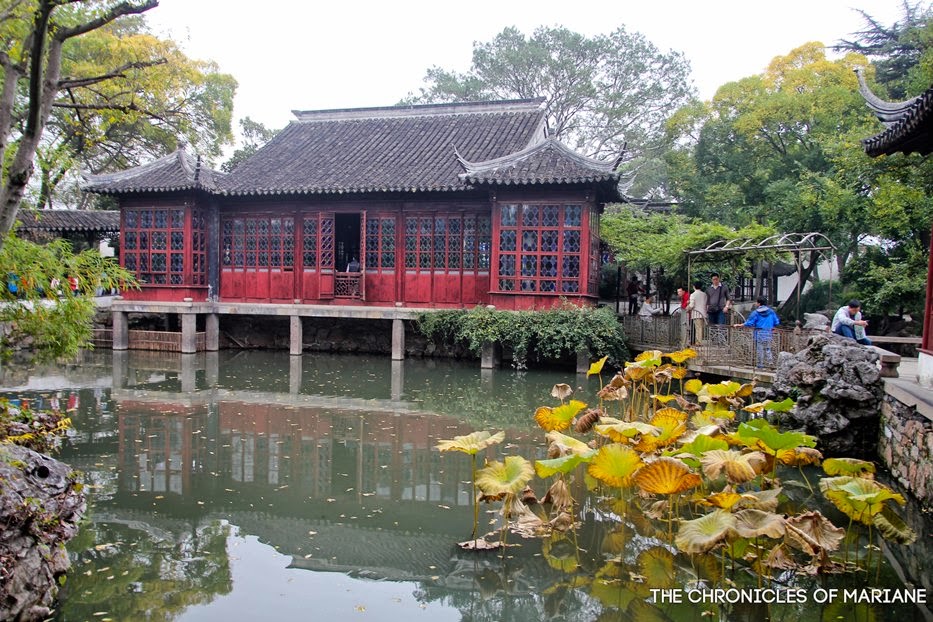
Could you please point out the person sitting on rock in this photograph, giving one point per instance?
(848, 322)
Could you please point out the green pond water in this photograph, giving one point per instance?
(253, 485)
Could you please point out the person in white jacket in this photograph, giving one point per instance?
(697, 310)
(848, 322)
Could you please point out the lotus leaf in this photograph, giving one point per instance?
(681, 355)
(637, 372)
(560, 553)
(848, 466)
(893, 527)
(561, 391)
(622, 431)
(780, 558)
(657, 567)
(679, 373)
(701, 444)
(703, 534)
(858, 498)
(649, 357)
(564, 464)
(782, 406)
(612, 393)
(558, 418)
(759, 434)
(568, 444)
(709, 431)
(812, 533)
(756, 523)
(472, 443)
(559, 495)
(766, 500)
(666, 476)
(799, 456)
(726, 388)
(597, 367)
(745, 390)
(507, 477)
(671, 412)
(693, 385)
(671, 428)
(738, 467)
(664, 399)
(724, 499)
(614, 465)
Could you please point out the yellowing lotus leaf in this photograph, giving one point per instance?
(745, 390)
(623, 431)
(812, 532)
(671, 428)
(681, 355)
(738, 467)
(563, 464)
(558, 418)
(893, 527)
(612, 393)
(568, 444)
(664, 399)
(703, 534)
(766, 500)
(507, 477)
(666, 476)
(670, 412)
(849, 466)
(597, 367)
(471, 443)
(561, 391)
(726, 388)
(637, 373)
(679, 373)
(656, 565)
(694, 385)
(757, 523)
(652, 357)
(614, 465)
(799, 456)
(857, 497)
(702, 444)
(724, 500)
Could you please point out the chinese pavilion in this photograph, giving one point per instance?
(442, 205)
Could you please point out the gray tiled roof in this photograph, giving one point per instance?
(548, 162)
(179, 170)
(392, 149)
(909, 123)
(69, 220)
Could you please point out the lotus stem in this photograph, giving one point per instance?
(475, 503)
(804, 475)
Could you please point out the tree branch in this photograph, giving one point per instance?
(69, 83)
(124, 8)
(103, 106)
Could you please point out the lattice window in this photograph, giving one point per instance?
(380, 243)
(539, 248)
(155, 246)
(447, 242)
(258, 243)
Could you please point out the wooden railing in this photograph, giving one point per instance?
(348, 285)
(718, 345)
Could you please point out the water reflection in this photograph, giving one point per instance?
(220, 483)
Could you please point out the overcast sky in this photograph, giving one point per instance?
(304, 55)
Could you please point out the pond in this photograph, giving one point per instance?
(249, 485)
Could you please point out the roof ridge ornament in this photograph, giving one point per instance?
(887, 112)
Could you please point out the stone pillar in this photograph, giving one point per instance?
(294, 373)
(121, 368)
(212, 332)
(398, 380)
(583, 362)
(398, 340)
(121, 333)
(189, 322)
(491, 356)
(189, 373)
(295, 336)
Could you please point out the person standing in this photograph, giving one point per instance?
(719, 300)
(633, 289)
(848, 322)
(684, 297)
(697, 309)
(762, 320)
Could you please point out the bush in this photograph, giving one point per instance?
(535, 335)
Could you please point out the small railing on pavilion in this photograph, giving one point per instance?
(348, 285)
(719, 345)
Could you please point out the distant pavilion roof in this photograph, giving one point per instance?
(909, 123)
(177, 171)
(546, 162)
(67, 221)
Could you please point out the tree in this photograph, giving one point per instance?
(35, 33)
(255, 135)
(901, 53)
(605, 95)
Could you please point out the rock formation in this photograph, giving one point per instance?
(40, 506)
(836, 384)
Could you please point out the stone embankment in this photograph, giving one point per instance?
(40, 507)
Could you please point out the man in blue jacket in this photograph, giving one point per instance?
(762, 320)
